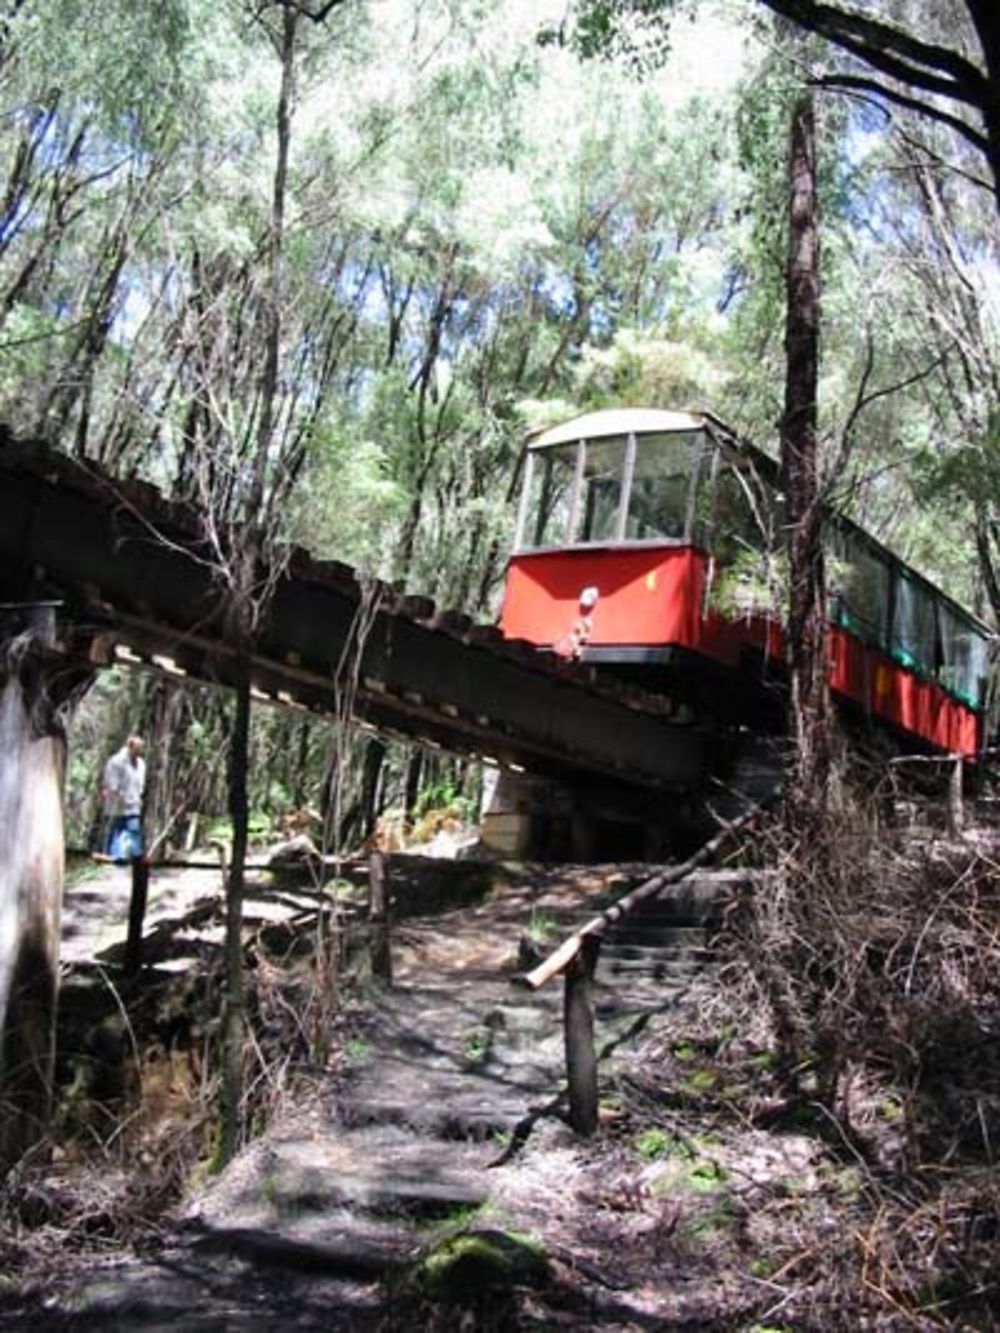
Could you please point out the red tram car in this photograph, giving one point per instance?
(648, 542)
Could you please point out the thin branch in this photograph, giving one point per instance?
(858, 83)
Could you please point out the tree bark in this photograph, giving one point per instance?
(799, 430)
(32, 762)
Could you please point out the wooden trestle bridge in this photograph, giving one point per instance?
(129, 577)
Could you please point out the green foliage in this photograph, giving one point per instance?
(259, 829)
(358, 1050)
(540, 927)
(752, 583)
(706, 1176)
(654, 1143)
(700, 1082)
(476, 1045)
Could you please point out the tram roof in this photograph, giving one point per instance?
(619, 421)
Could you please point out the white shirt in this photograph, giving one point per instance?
(124, 783)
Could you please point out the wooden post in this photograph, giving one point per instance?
(955, 811)
(581, 1056)
(136, 914)
(379, 917)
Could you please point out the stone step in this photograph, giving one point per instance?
(666, 968)
(296, 1192)
(625, 952)
(356, 1256)
(449, 1122)
(647, 935)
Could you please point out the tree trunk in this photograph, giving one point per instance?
(807, 586)
(32, 760)
(986, 19)
(234, 1004)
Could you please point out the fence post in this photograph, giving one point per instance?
(581, 1056)
(379, 918)
(136, 914)
(955, 811)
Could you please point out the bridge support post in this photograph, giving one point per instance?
(379, 919)
(32, 763)
(581, 1055)
(136, 915)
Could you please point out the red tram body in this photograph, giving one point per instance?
(641, 537)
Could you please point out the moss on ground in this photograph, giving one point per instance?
(465, 1265)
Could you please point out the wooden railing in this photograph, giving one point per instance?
(379, 919)
(576, 958)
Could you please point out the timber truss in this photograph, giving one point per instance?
(135, 582)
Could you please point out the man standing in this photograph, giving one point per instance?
(124, 784)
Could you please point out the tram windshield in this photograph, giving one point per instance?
(618, 488)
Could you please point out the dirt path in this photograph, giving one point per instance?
(444, 1124)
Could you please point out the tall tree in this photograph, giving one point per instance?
(800, 473)
(250, 556)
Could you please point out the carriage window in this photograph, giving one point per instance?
(914, 626)
(601, 496)
(550, 503)
(661, 485)
(963, 652)
(863, 591)
(736, 528)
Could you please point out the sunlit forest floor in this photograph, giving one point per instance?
(411, 1167)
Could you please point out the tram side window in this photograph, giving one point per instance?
(963, 653)
(551, 500)
(601, 498)
(736, 529)
(661, 485)
(914, 626)
(863, 592)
